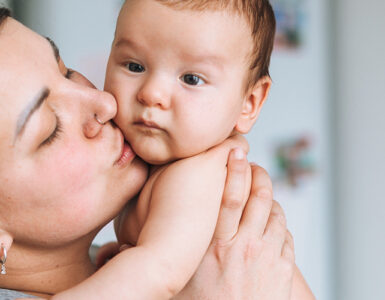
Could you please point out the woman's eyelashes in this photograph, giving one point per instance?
(54, 135)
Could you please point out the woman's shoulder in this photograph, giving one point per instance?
(11, 294)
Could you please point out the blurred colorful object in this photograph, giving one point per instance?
(290, 23)
(293, 161)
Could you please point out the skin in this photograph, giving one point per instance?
(51, 211)
(77, 171)
(191, 88)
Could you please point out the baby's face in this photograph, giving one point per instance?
(178, 77)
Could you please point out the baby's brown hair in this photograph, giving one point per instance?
(261, 19)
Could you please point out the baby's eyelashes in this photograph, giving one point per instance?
(135, 67)
(189, 78)
(192, 79)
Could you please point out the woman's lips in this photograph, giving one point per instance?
(126, 155)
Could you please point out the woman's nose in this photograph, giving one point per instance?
(155, 92)
(101, 109)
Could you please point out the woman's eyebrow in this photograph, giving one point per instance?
(54, 48)
(34, 105)
(26, 114)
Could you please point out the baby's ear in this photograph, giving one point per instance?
(252, 104)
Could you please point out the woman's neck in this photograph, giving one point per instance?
(47, 271)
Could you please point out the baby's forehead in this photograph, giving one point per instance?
(239, 8)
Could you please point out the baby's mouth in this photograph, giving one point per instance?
(147, 124)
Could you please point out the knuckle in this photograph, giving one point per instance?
(277, 209)
(279, 218)
(232, 200)
(220, 252)
(238, 166)
(289, 235)
(282, 220)
(265, 203)
(287, 266)
(265, 193)
(251, 250)
(260, 172)
(290, 239)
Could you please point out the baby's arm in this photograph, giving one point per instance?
(182, 215)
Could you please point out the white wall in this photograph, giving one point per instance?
(299, 104)
(5, 3)
(360, 141)
(83, 30)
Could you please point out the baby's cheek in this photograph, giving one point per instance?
(122, 120)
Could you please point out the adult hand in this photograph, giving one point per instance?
(251, 255)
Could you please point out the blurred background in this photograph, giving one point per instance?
(320, 135)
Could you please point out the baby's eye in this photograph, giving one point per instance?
(134, 67)
(192, 79)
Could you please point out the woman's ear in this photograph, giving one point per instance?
(252, 104)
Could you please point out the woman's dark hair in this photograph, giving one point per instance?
(4, 13)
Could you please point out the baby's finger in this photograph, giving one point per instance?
(258, 207)
(275, 231)
(233, 194)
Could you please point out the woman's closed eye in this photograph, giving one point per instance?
(54, 135)
(192, 79)
(135, 67)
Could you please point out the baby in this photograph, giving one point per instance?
(189, 77)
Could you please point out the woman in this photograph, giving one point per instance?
(65, 171)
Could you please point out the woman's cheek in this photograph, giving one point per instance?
(70, 171)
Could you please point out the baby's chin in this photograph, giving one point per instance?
(154, 155)
(160, 152)
(155, 160)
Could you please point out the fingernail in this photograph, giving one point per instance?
(239, 154)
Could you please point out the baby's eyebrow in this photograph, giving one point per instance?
(124, 42)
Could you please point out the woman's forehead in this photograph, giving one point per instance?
(21, 46)
(27, 61)
(23, 57)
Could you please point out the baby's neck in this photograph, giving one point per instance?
(154, 168)
(46, 271)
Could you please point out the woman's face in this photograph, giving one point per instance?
(62, 174)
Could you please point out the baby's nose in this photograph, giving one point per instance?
(154, 92)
